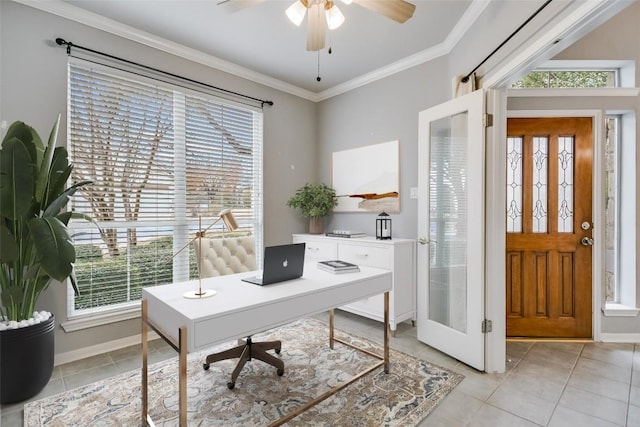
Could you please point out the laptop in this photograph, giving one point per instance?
(283, 262)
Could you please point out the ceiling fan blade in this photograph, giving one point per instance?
(398, 10)
(231, 6)
(316, 27)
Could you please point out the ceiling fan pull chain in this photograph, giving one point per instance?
(318, 78)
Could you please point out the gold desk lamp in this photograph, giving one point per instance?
(227, 217)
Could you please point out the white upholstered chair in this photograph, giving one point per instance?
(222, 256)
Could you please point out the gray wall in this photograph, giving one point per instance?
(33, 89)
(388, 109)
(616, 39)
(382, 111)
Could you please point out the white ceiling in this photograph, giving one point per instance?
(255, 40)
(261, 38)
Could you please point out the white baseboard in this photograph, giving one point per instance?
(613, 337)
(94, 350)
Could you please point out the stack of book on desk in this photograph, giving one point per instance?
(346, 233)
(338, 267)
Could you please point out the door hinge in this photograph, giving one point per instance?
(487, 120)
(487, 326)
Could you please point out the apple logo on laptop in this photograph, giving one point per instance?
(285, 263)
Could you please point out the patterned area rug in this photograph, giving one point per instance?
(401, 398)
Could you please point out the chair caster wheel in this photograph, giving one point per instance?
(280, 372)
(205, 366)
(231, 385)
(277, 351)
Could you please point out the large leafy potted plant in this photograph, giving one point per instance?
(315, 201)
(35, 249)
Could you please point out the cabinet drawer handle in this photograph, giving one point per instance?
(312, 249)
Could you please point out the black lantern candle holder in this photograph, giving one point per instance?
(383, 226)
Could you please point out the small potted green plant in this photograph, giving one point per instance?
(315, 201)
(35, 249)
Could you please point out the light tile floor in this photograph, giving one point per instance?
(546, 383)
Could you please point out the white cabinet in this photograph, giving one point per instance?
(397, 255)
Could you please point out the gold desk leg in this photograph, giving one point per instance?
(182, 344)
(386, 332)
(331, 320)
(145, 391)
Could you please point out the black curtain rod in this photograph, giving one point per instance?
(466, 78)
(63, 42)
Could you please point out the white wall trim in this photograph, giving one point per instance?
(94, 350)
(552, 113)
(588, 13)
(99, 319)
(621, 338)
(496, 233)
(619, 310)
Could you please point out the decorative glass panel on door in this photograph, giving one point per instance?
(514, 185)
(448, 221)
(565, 184)
(540, 178)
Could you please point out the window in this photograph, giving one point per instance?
(584, 74)
(568, 79)
(162, 159)
(612, 221)
(620, 212)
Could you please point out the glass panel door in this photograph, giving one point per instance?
(451, 228)
(448, 221)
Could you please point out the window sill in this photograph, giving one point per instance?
(92, 321)
(619, 310)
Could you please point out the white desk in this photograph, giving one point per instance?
(240, 309)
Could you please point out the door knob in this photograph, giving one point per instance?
(587, 241)
(424, 241)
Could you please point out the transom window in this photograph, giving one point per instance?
(162, 159)
(568, 79)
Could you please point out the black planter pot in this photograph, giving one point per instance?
(26, 361)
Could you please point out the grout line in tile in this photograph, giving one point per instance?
(564, 387)
(509, 373)
(635, 351)
(514, 414)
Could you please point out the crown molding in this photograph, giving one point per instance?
(74, 13)
(470, 15)
(465, 22)
(388, 70)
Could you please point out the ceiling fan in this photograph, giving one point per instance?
(323, 14)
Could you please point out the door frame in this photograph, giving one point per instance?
(597, 191)
(496, 80)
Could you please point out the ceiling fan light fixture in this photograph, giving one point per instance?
(335, 18)
(296, 12)
(347, 2)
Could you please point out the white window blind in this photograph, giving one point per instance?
(162, 159)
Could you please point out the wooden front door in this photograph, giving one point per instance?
(549, 227)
